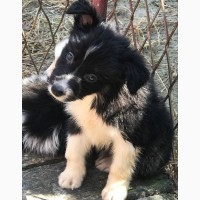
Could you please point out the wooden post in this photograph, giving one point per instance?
(101, 7)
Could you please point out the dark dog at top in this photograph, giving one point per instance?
(111, 103)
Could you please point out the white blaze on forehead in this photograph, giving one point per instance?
(58, 50)
(60, 46)
(91, 49)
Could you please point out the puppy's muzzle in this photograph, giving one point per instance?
(65, 88)
(57, 90)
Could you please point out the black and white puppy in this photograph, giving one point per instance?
(112, 103)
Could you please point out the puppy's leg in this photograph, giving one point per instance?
(121, 169)
(104, 161)
(77, 148)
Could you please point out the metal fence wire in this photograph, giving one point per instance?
(150, 25)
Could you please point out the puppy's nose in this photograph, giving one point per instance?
(57, 90)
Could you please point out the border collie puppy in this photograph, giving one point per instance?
(112, 103)
(44, 121)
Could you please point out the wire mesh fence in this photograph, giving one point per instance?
(151, 26)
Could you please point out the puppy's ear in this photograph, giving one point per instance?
(136, 72)
(85, 16)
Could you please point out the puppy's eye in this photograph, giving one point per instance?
(91, 78)
(70, 57)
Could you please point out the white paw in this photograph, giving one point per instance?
(103, 164)
(71, 179)
(115, 192)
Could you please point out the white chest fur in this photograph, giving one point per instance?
(92, 125)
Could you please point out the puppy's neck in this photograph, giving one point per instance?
(81, 105)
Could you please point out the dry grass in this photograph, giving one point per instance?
(39, 32)
(43, 26)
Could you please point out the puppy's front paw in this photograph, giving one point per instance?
(114, 192)
(71, 178)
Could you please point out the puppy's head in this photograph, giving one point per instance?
(94, 59)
